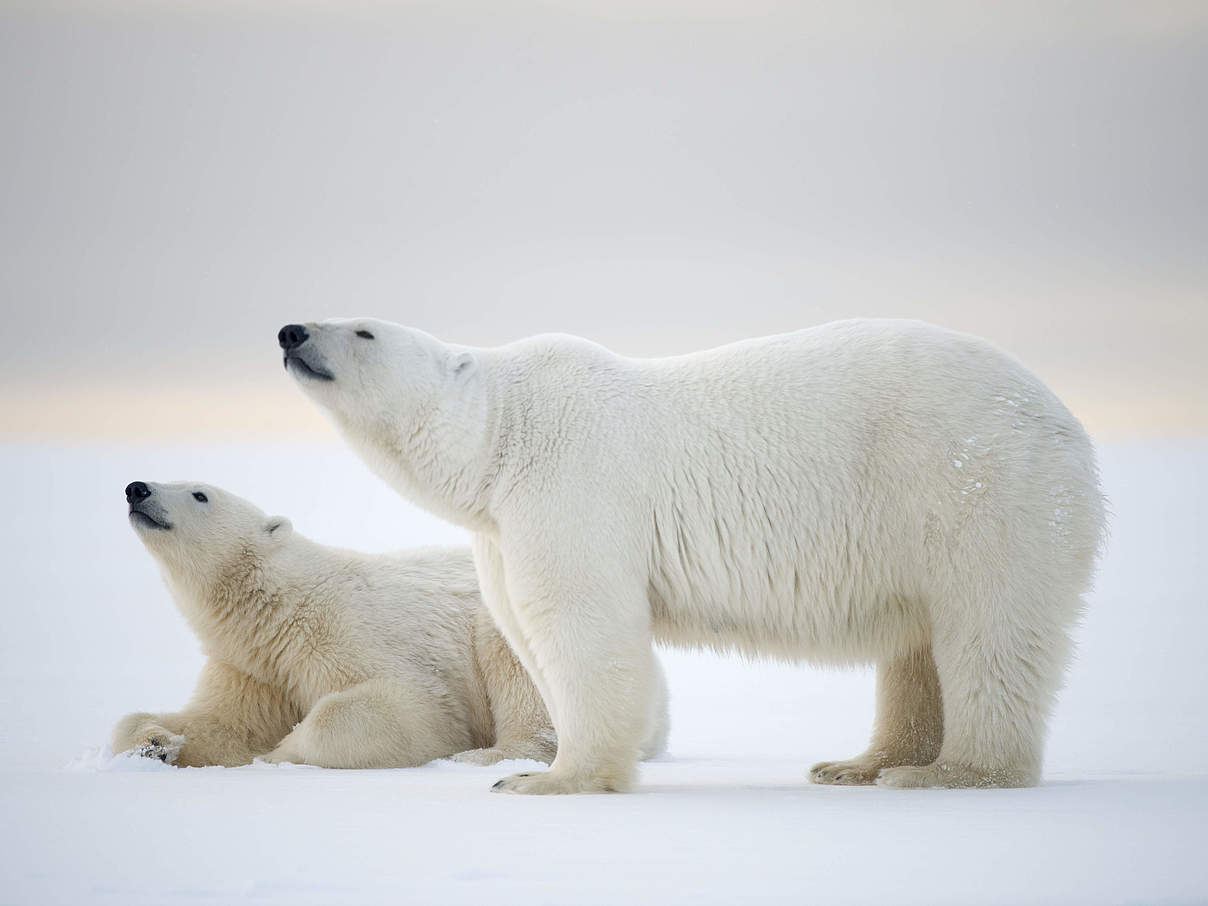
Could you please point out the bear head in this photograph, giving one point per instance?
(413, 407)
(371, 373)
(196, 530)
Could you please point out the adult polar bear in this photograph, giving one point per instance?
(867, 490)
(325, 656)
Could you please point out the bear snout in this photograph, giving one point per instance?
(305, 363)
(136, 491)
(291, 336)
(143, 511)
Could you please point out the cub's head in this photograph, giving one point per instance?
(372, 375)
(197, 530)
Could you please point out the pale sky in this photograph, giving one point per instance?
(178, 180)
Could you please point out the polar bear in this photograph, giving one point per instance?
(865, 491)
(330, 657)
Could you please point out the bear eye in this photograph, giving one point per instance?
(364, 335)
(200, 497)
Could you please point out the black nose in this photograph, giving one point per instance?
(292, 336)
(137, 490)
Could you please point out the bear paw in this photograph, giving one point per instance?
(482, 756)
(857, 772)
(496, 754)
(552, 783)
(156, 742)
(955, 777)
(283, 755)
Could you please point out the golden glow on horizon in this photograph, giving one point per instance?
(1110, 410)
(216, 415)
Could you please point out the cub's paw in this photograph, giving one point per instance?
(482, 756)
(553, 783)
(156, 742)
(496, 754)
(143, 734)
(283, 755)
(857, 772)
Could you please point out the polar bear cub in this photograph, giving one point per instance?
(865, 491)
(328, 657)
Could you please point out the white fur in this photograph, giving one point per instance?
(864, 491)
(330, 657)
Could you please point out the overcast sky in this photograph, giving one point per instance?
(177, 180)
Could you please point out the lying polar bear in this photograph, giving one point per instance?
(330, 657)
(864, 491)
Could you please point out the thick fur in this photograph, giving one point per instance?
(330, 657)
(864, 491)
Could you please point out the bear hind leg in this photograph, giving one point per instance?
(380, 723)
(909, 723)
(998, 678)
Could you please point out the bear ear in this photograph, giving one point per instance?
(461, 364)
(278, 526)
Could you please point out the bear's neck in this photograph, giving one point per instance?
(462, 460)
(258, 617)
(445, 463)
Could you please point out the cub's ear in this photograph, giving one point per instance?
(278, 526)
(461, 364)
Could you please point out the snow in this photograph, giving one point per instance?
(90, 634)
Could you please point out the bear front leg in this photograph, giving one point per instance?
(518, 739)
(381, 723)
(230, 719)
(588, 646)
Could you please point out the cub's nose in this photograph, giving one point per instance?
(292, 336)
(136, 491)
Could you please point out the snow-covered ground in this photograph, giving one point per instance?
(89, 633)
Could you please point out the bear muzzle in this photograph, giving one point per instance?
(144, 510)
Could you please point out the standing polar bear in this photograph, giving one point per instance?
(330, 657)
(867, 490)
